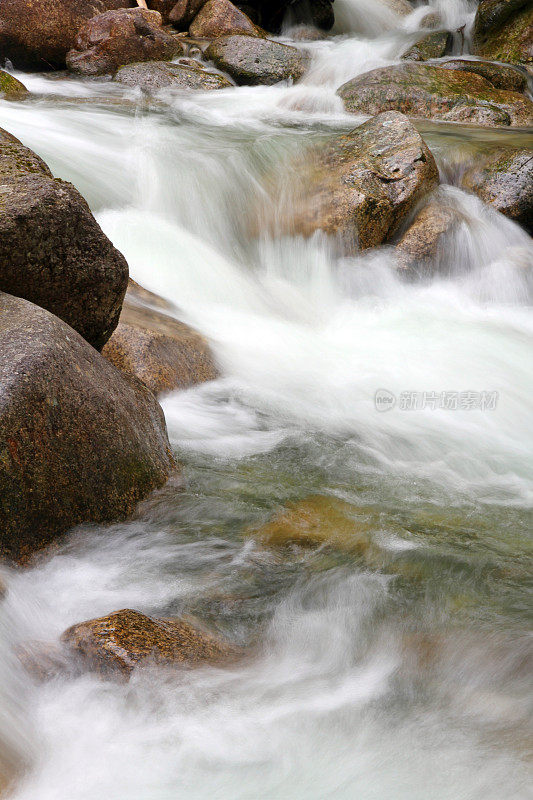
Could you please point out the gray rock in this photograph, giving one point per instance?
(154, 75)
(252, 61)
(433, 45)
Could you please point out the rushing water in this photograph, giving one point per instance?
(394, 666)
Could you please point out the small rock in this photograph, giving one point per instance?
(11, 88)
(128, 35)
(420, 247)
(119, 642)
(503, 31)
(433, 92)
(160, 351)
(433, 45)
(155, 75)
(501, 76)
(252, 61)
(221, 18)
(504, 180)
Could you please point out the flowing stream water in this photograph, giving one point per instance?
(394, 666)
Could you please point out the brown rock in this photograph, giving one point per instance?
(360, 186)
(163, 7)
(43, 660)
(37, 34)
(78, 441)
(434, 92)
(128, 35)
(160, 351)
(221, 18)
(184, 11)
(74, 271)
(121, 641)
(420, 247)
(500, 75)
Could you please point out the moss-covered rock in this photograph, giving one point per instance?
(221, 18)
(504, 179)
(252, 61)
(11, 88)
(432, 45)
(501, 76)
(503, 30)
(79, 442)
(155, 75)
(121, 641)
(359, 187)
(52, 250)
(430, 91)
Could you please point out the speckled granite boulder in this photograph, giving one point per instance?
(361, 185)
(221, 18)
(11, 88)
(504, 180)
(254, 61)
(155, 75)
(421, 246)
(119, 642)
(79, 442)
(128, 35)
(423, 90)
(52, 250)
(159, 350)
(503, 30)
(433, 45)
(501, 76)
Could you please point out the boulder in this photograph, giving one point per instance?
(162, 352)
(420, 247)
(38, 35)
(155, 75)
(503, 30)
(121, 641)
(110, 40)
(79, 442)
(252, 61)
(221, 18)
(504, 180)
(52, 250)
(432, 45)
(11, 88)
(500, 75)
(183, 13)
(360, 186)
(163, 7)
(424, 90)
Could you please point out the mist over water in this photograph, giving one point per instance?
(395, 669)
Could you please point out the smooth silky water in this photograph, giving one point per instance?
(394, 665)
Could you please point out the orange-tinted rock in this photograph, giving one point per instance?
(221, 18)
(163, 7)
(110, 40)
(184, 11)
(121, 641)
(420, 246)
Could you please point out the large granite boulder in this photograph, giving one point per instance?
(504, 180)
(11, 88)
(52, 250)
(221, 18)
(152, 76)
(501, 76)
(432, 45)
(38, 35)
(119, 642)
(430, 91)
(110, 40)
(252, 61)
(79, 442)
(503, 30)
(162, 352)
(360, 186)
(421, 249)
(184, 11)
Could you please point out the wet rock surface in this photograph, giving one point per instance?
(221, 18)
(119, 642)
(37, 34)
(360, 186)
(504, 180)
(421, 245)
(74, 271)
(155, 75)
(423, 90)
(11, 88)
(79, 442)
(110, 40)
(433, 45)
(160, 351)
(499, 75)
(503, 30)
(256, 61)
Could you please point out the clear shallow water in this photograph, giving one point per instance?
(397, 668)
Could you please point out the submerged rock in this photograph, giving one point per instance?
(503, 30)
(221, 18)
(159, 350)
(256, 61)
(79, 442)
(433, 45)
(121, 641)
(38, 35)
(52, 250)
(420, 247)
(500, 75)
(361, 185)
(128, 35)
(504, 180)
(11, 88)
(423, 90)
(154, 75)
